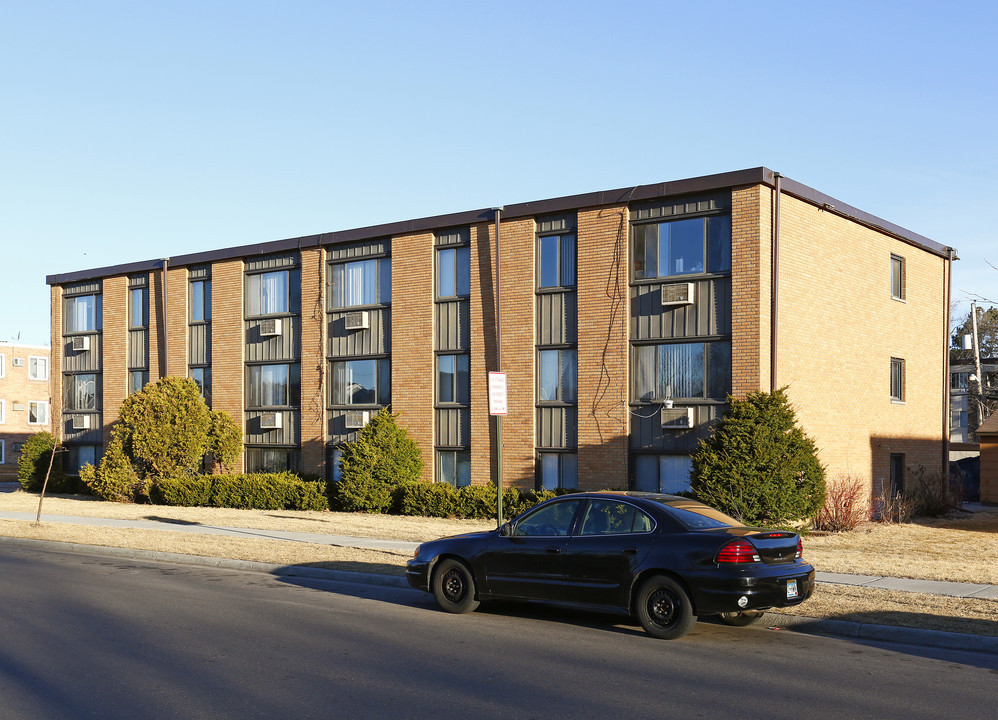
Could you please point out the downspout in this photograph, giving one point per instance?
(774, 292)
(166, 331)
(498, 212)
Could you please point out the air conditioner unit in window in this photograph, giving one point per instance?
(81, 343)
(356, 419)
(677, 294)
(271, 326)
(270, 421)
(81, 422)
(17, 362)
(17, 447)
(357, 320)
(674, 418)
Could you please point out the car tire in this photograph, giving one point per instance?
(664, 608)
(454, 587)
(742, 618)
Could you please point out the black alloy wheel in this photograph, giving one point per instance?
(664, 609)
(454, 587)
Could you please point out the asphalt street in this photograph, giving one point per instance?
(92, 636)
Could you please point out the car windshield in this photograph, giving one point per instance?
(697, 516)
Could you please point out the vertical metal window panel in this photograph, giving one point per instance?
(897, 277)
(897, 379)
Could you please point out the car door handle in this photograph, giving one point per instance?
(554, 549)
(631, 550)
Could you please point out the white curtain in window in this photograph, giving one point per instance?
(273, 293)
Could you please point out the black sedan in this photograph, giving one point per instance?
(663, 558)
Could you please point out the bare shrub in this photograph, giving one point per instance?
(893, 507)
(844, 506)
(935, 494)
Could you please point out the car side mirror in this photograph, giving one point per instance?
(506, 529)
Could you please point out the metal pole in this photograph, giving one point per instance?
(774, 300)
(498, 212)
(978, 385)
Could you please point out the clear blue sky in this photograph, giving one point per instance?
(138, 130)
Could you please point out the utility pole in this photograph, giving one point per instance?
(976, 384)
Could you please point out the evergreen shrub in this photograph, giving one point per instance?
(33, 463)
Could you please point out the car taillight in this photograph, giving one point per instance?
(737, 551)
(800, 549)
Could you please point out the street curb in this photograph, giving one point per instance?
(797, 623)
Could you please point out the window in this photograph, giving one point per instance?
(550, 520)
(79, 455)
(612, 517)
(557, 376)
(454, 467)
(81, 313)
(897, 379)
(556, 261)
(453, 272)
(361, 382)
(959, 381)
(958, 419)
(453, 382)
(3, 411)
(3, 456)
(362, 282)
(202, 378)
(559, 470)
(274, 385)
(269, 293)
(81, 392)
(199, 301)
(683, 370)
(38, 412)
(271, 460)
(682, 247)
(897, 277)
(138, 307)
(3, 365)
(38, 368)
(137, 379)
(662, 473)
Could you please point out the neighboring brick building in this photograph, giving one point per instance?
(626, 316)
(988, 434)
(24, 400)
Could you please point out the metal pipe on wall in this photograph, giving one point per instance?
(774, 293)
(165, 325)
(498, 212)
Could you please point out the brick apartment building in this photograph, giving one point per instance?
(24, 400)
(626, 318)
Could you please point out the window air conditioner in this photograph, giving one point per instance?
(357, 320)
(81, 422)
(271, 326)
(17, 362)
(674, 418)
(81, 343)
(270, 421)
(356, 419)
(677, 294)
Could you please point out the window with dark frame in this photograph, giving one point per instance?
(556, 261)
(199, 322)
(682, 247)
(361, 381)
(897, 277)
(682, 370)
(274, 385)
(454, 467)
(897, 379)
(361, 282)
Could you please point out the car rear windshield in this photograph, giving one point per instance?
(697, 516)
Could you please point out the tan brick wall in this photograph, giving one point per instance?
(177, 308)
(17, 389)
(227, 347)
(839, 329)
(412, 341)
(751, 253)
(114, 358)
(313, 362)
(603, 312)
(517, 327)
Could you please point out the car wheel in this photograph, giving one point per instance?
(454, 587)
(741, 619)
(664, 609)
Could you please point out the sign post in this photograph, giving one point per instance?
(498, 407)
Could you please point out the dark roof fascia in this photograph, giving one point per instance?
(621, 196)
(810, 195)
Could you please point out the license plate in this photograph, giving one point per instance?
(792, 589)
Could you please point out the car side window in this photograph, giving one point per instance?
(611, 517)
(553, 519)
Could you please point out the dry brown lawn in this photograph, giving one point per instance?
(958, 549)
